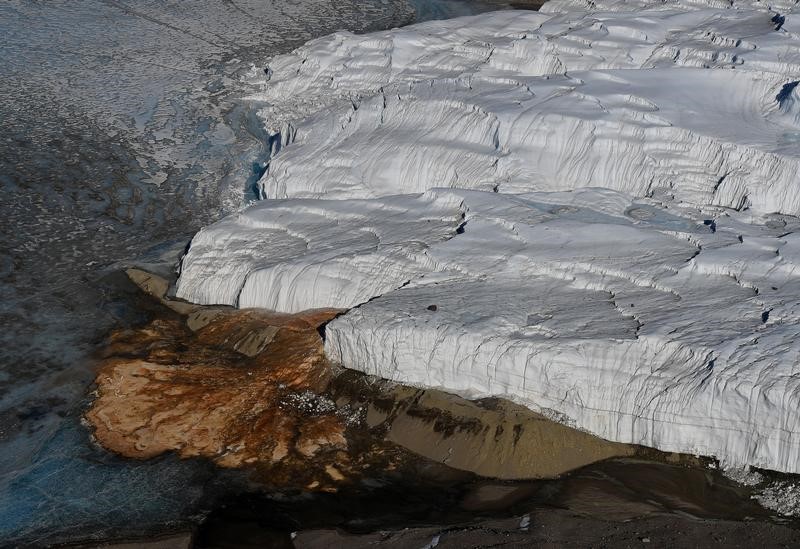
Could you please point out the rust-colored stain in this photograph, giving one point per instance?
(240, 391)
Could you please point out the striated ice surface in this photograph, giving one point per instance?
(521, 101)
(303, 254)
(636, 323)
(591, 210)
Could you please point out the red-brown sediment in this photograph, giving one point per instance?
(165, 388)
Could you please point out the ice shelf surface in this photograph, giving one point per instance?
(517, 101)
(302, 254)
(592, 213)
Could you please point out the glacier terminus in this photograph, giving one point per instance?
(591, 210)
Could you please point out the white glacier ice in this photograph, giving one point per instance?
(301, 254)
(518, 101)
(590, 210)
(634, 322)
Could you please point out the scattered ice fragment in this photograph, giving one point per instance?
(744, 476)
(782, 497)
(524, 522)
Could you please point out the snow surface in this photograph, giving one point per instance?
(302, 254)
(592, 213)
(637, 323)
(520, 101)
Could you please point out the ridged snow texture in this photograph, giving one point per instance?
(294, 255)
(636, 323)
(522, 101)
(670, 320)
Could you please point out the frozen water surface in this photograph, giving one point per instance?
(122, 133)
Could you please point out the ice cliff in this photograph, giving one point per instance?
(590, 210)
(294, 255)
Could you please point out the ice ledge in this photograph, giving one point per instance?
(669, 320)
(290, 256)
(635, 323)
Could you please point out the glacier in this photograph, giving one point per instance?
(295, 255)
(590, 210)
(532, 101)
